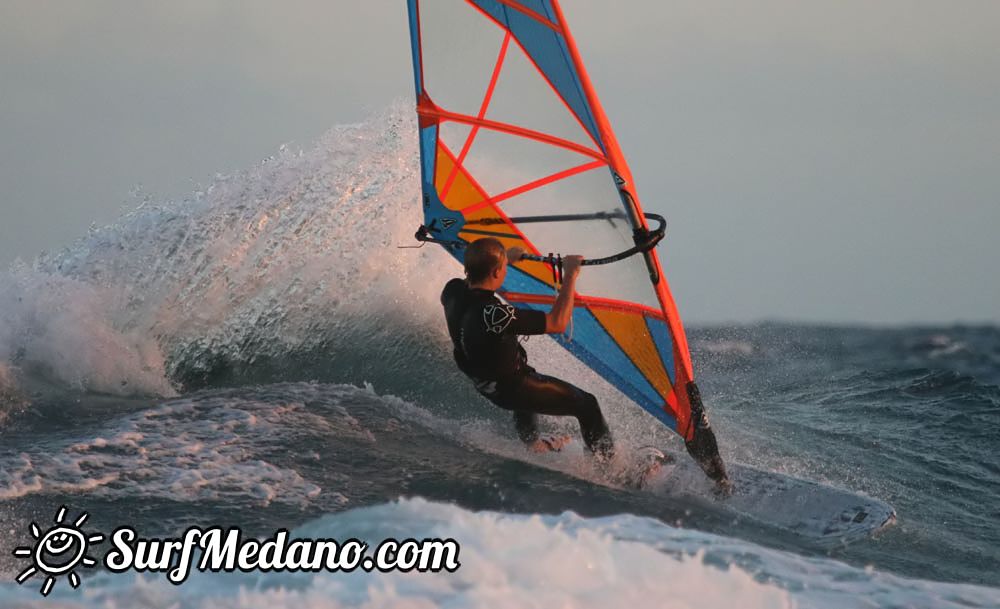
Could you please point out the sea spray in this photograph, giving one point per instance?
(279, 259)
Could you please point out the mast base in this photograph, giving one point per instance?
(703, 448)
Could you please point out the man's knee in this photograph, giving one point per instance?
(587, 407)
(590, 400)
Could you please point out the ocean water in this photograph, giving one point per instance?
(233, 359)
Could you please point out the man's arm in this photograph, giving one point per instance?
(451, 289)
(558, 318)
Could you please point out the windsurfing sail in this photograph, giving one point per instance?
(514, 145)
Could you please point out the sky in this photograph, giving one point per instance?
(829, 161)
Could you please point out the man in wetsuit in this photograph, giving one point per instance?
(484, 332)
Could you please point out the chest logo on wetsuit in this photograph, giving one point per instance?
(498, 317)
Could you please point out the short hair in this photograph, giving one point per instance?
(482, 257)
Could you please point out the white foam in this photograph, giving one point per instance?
(507, 561)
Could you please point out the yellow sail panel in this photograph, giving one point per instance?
(629, 330)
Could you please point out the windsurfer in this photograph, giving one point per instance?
(484, 332)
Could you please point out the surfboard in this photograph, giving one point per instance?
(823, 515)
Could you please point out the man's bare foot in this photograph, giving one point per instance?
(649, 462)
(548, 443)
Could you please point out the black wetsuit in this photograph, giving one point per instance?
(484, 332)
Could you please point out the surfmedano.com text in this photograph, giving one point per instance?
(228, 550)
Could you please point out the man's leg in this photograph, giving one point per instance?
(540, 394)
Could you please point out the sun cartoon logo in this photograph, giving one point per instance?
(58, 551)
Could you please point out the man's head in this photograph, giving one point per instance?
(486, 262)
